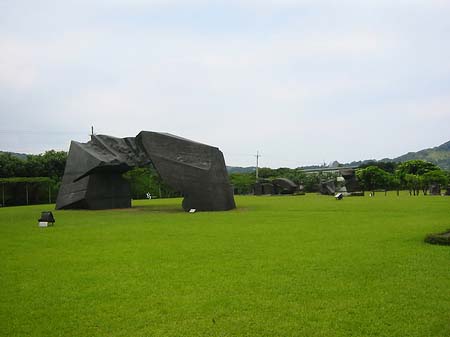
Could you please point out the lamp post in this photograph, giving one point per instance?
(257, 164)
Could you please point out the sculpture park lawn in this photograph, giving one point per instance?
(276, 266)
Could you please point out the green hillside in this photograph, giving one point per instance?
(439, 155)
(22, 156)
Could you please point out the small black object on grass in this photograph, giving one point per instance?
(339, 196)
(46, 219)
(439, 238)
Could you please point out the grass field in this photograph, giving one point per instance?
(276, 266)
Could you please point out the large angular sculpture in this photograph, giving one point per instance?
(93, 175)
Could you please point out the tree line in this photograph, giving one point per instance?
(35, 179)
(413, 175)
(243, 182)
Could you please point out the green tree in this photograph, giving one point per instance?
(418, 167)
(412, 182)
(242, 182)
(411, 174)
(266, 172)
(434, 177)
(386, 166)
(11, 166)
(372, 178)
(50, 164)
(394, 183)
(296, 175)
(145, 180)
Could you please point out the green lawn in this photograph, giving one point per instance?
(276, 266)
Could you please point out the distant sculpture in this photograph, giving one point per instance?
(284, 186)
(435, 189)
(263, 187)
(351, 182)
(93, 174)
(347, 183)
(327, 187)
(276, 186)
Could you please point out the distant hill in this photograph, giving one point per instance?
(238, 169)
(439, 155)
(18, 155)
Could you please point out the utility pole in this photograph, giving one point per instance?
(92, 130)
(257, 164)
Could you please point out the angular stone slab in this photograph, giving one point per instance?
(197, 170)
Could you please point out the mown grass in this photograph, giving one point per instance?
(276, 266)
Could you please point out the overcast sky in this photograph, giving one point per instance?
(304, 82)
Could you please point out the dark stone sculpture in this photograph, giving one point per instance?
(348, 184)
(275, 186)
(263, 187)
(47, 216)
(195, 169)
(351, 183)
(284, 186)
(327, 187)
(93, 175)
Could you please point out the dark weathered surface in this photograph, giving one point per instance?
(275, 186)
(327, 187)
(439, 238)
(284, 186)
(195, 169)
(93, 174)
(47, 216)
(351, 182)
(263, 187)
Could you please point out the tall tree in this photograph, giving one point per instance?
(372, 178)
(411, 174)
